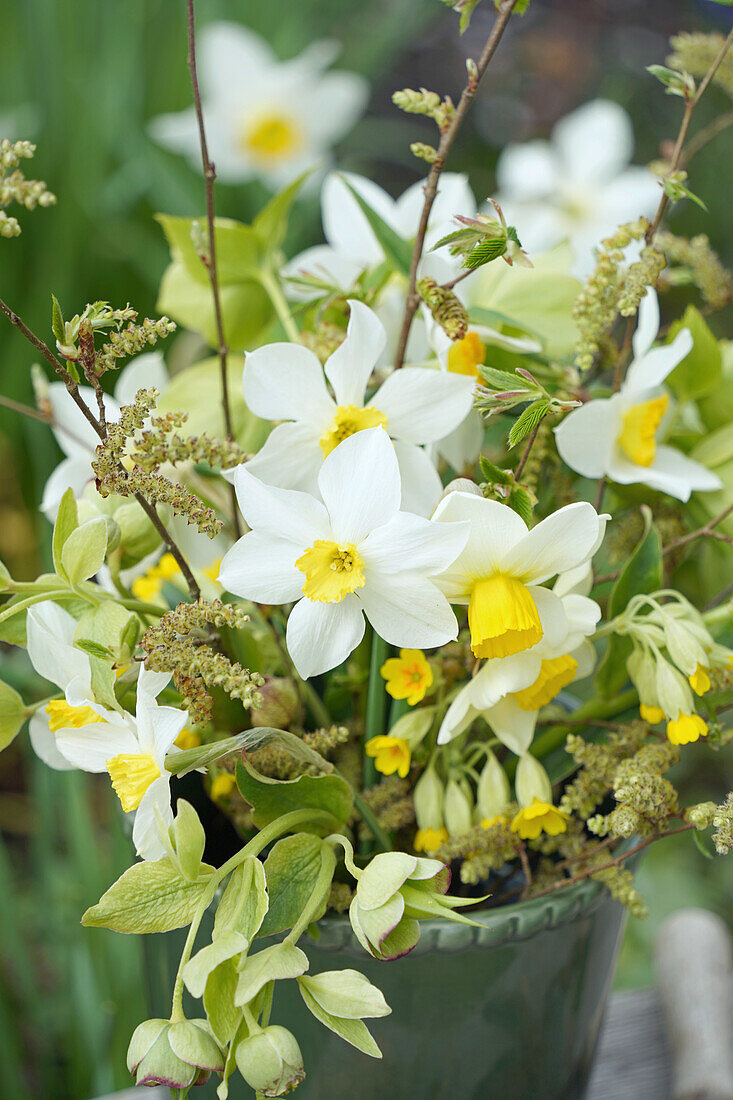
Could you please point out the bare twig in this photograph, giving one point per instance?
(707, 531)
(210, 260)
(431, 186)
(526, 452)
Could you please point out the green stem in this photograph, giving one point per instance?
(719, 616)
(141, 607)
(554, 737)
(376, 704)
(307, 692)
(274, 292)
(271, 832)
(372, 823)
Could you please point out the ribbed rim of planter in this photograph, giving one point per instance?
(504, 924)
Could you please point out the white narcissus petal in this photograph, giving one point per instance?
(290, 458)
(495, 530)
(350, 91)
(578, 580)
(324, 263)
(586, 439)
(44, 744)
(50, 632)
(166, 723)
(145, 830)
(90, 747)
(410, 542)
(671, 472)
(559, 542)
(421, 484)
(633, 193)
(527, 172)
(285, 382)
(262, 568)
(345, 225)
(582, 613)
(454, 197)
(647, 324)
(71, 473)
(282, 513)
(176, 131)
(585, 655)
(423, 405)
(321, 636)
(360, 484)
(458, 717)
(74, 434)
(407, 610)
(513, 726)
(462, 446)
(651, 370)
(231, 58)
(595, 142)
(553, 619)
(500, 676)
(141, 373)
(349, 367)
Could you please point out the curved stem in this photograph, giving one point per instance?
(274, 292)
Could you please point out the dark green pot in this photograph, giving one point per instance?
(509, 1011)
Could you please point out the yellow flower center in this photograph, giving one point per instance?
(554, 675)
(686, 728)
(391, 754)
(408, 676)
(187, 739)
(502, 617)
(348, 420)
(537, 818)
(429, 840)
(652, 715)
(700, 680)
(61, 716)
(131, 775)
(271, 136)
(639, 429)
(467, 355)
(331, 571)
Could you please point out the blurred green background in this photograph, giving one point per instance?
(82, 77)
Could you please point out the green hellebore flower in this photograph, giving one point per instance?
(270, 1061)
(174, 1054)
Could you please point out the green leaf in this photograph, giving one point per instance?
(522, 502)
(82, 555)
(148, 897)
(292, 869)
(491, 248)
(504, 381)
(346, 993)
(271, 224)
(197, 970)
(493, 474)
(354, 1032)
(642, 573)
(270, 798)
(197, 391)
(281, 961)
(703, 844)
(13, 713)
(246, 308)
(700, 372)
(244, 903)
(527, 421)
(189, 840)
(57, 320)
(66, 523)
(239, 248)
(221, 1011)
(396, 249)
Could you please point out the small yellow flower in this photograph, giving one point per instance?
(222, 786)
(391, 754)
(408, 676)
(700, 680)
(148, 587)
(652, 715)
(538, 818)
(187, 739)
(429, 840)
(686, 728)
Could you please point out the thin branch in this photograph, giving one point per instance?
(458, 279)
(707, 531)
(210, 260)
(431, 186)
(704, 136)
(526, 452)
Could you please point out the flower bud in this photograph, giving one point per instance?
(492, 794)
(270, 1061)
(280, 705)
(673, 691)
(682, 646)
(642, 670)
(137, 537)
(428, 799)
(174, 1054)
(457, 808)
(701, 815)
(531, 781)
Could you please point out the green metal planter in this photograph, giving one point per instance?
(509, 1011)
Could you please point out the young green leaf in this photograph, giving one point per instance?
(293, 869)
(527, 421)
(396, 249)
(148, 897)
(67, 521)
(244, 903)
(13, 713)
(83, 552)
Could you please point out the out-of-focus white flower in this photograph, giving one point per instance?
(579, 185)
(616, 436)
(415, 405)
(265, 118)
(75, 435)
(355, 554)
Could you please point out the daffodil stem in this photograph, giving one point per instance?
(376, 705)
(272, 286)
(275, 829)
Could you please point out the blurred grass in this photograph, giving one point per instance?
(89, 75)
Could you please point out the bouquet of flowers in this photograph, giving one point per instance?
(429, 589)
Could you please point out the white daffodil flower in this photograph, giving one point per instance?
(578, 186)
(75, 435)
(265, 118)
(508, 692)
(355, 554)
(77, 732)
(616, 437)
(415, 405)
(500, 572)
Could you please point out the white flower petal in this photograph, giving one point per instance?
(325, 264)
(350, 92)
(167, 723)
(231, 60)
(423, 405)
(71, 473)
(409, 542)
(462, 447)
(145, 830)
(503, 675)
(527, 172)
(285, 382)
(631, 195)
(672, 472)
(345, 225)
(585, 655)
(595, 142)
(454, 197)
(586, 438)
(74, 434)
(176, 131)
(647, 325)
(360, 485)
(141, 373)
(290, 458)
(576, 581)
(495, 530)
(90, 747)
(558, 543)
(321, 636)
(407, 610)
(458, 717)
(282, 513)
(421, 484)
(513, 726)
(652, 369)
(44, 744)
(349, 368)
(262, 568)
(553, 619)
(50, 632)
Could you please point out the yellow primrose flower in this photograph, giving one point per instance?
(408, 676)
(429, 840)
(700, 680)
(651, 714)
(187, 739)
(391, 754)
(495, 819)
(686, 728)
(537, 818)
(148, 587)
(222, 786)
